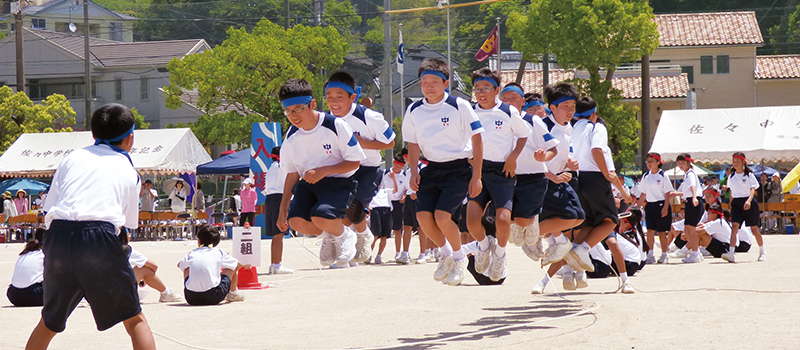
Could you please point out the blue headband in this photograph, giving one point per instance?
(586, 114)
(532, 104)
(513, 88)
(562, 99)
(434, 72)
(298, 100)
(548, 111)
(117, 139)
(490, 80)
(345, 87)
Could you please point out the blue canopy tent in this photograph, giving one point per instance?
(758, 169)
(232, 164)
(32, 187)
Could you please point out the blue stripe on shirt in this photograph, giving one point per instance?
(352, 141)
(548, 137)
(388, 132)
(475, 125)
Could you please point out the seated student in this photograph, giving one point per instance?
(628, 236)
(203, 283)
(26, 282)
(715, 235)
(145, 271)
(745, 240)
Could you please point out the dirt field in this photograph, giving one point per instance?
(710, 305)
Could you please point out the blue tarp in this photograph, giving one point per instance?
(232, 164)
(32, 187)
(757, 169)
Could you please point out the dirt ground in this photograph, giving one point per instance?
(710, 305)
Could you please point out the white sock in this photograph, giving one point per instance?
(405, 252)
(484, 244)
(579, 275)
(761, 248)
(339, 237)
(447, 249)
(560, 239)
(421, 256)
(459, 255)
(166, 291)
(545, 279)
(624, 277)
(428, 251)
(362, 232)
(663, 254)
(651, 254)
(550, 240)
(685, 249)
(586, 246)
(500, 251)
(731, 250)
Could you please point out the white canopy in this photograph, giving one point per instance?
(158, 151)
(712, 135)
(677, 174)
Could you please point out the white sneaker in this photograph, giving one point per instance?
(627, 288)
(235, 295)
(327, 251)
(337, 265)
(170, 297)
(483, 257)
(532, 232)
(497, 266)
(679, 254)
(538, 288)
(535, 252)
(580, 279)
(403, 259)
(457, 273)
(729, 257)
(704, 251)
(396, 255)
(569, 282)
(663, 259)
(281, 270)
(346, 246)
(651, 259)
(353, 264)
(556, 252)
(378, 260)
(363, 246)
(694, 257)
(430, 257)
(445, 265)
(580, 255)
(762, 255)
(421, 259)
(673, 248)
(517, 235)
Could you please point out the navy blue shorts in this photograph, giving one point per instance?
(397, 215)
(410, 213)
(212, 296)
(327, 199)
(272, 207)
(561, 201)
(85, 259)
(597, 199)
(653, 218)
(717, 247)
(497, 187)
(380, 222)
(743, 247)
(369, 179)
(693, 214)
(443, 186)
(739, 215)
(33, 295)
(529, 195)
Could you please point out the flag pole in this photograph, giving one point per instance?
(449, 62)
(401, 70)
(499, 67)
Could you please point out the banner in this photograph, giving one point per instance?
(489, 46)
(401, 56)
(264, 136)
(247, 245)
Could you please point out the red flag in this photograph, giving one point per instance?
(489, 46)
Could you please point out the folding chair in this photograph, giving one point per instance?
(143, 231)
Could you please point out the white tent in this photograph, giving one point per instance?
(712, 135)
(677, 174)
(158, 151)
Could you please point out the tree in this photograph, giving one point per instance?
(596, 36)
(425, 27)
(138, 120)
(18, 115)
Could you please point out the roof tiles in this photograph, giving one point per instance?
(778, 67)
(661, 86)
(715, 28)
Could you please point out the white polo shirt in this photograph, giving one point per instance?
(719, 229)
(655, 186)
(205, 264)
(369, 125)
(94, 183)
(330, 142)
(443, 130)
(402, 185)
(137, 259)
(587, 137)
(28, 270)
(382, 199)
(562, 133)
(502, 126)
(690, 179)
(275, 179)
(540, 139)
(630, 251)
(740, 184)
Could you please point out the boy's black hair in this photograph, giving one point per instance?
(583, 104)
(554, 92)
(294, 88)
(199, 186)
(148, 181)
(342, 77)
(637, 235)
(399, 158)
(404, 151)
(486, 73)
(683, 157)
(434, 64)
(35, 243)
(276, 150)
(747, 170)
(111, 121)
(208, 236)
(533, 96)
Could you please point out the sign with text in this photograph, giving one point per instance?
(264, 136)
(247, 245)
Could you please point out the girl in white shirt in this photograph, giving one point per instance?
(656, 190)
(690, 191)
(26, 282)
(716, 233)
(178, 197)
(744, 210)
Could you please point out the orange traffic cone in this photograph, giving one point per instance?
(248, 279)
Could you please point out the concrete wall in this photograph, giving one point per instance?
(778, 92)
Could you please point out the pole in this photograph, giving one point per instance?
(545, 70)
(499, 66)
(449, 61)
(286, 7)
(386, 89)
(645, 109)
(402, 95)
(20, 57)
(87, 80)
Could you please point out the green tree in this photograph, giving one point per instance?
(138, 119)
(424, 27)
(18, 115)
(594, 36)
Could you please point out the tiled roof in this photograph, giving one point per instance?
(778, 67)
(661, 86)
(715, 28)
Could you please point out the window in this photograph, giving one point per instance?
(723, 64)
(115, 31)
(76, 90)
(38, 23)
(706, 64)
(689, 70)
(35, 91)
(144, 89)
(118, 88)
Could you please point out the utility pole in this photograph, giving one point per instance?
(286, 7)
(386, 81)
(87, 91)
(645, 110)
(499, 60)
(20, 57)
(545, 70)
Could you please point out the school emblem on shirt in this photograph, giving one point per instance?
(445, 121)
(327, 148)
(658, 182)
(498, 124)
(357, 133)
